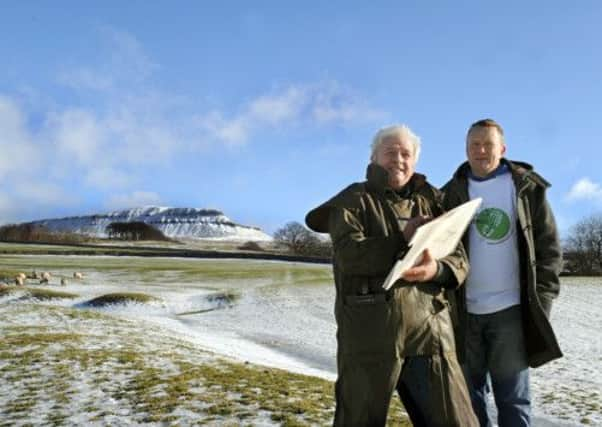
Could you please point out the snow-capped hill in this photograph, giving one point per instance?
(173, 222)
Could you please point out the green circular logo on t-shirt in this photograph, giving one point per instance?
(493, 223)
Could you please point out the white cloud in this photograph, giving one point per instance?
(85, 78)
(30, 199)
(279, 107)
(77, 134)
(37, 193)
(585, 189)
(107, 178)
(122, 127)
(127, 54)
(137, 140)
(308, 105)
(230, 132)
(122, 64)
(133, 199)
(334, 104)
(18, 152)
(135, 113)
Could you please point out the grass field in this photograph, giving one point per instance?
(66, 365)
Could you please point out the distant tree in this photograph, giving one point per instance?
(299, 240)
(583, 247)
(136, 230)
(29, 232)
(250, 246)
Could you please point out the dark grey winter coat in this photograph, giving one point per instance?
(539, 254)
(377, 329)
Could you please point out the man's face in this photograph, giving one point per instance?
(484, 149)
(397, 156)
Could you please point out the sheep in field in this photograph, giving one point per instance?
(78, 275)
(19, 280)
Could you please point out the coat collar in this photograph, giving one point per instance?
(522, 173)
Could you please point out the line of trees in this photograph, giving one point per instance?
(136, 230)
(582, 248)
(29, 232)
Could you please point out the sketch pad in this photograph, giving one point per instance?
(440, 236)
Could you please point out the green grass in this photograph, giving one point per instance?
(121, 298)
(37, 293)
(181, 269)
(156, 386)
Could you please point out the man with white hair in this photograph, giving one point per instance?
(402, 338)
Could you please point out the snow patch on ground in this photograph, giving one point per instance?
(291, 326)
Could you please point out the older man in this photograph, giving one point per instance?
(400, 339)
(515, 259)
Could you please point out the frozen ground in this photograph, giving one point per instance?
(282, 317)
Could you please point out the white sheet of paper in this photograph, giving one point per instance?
(440, 236)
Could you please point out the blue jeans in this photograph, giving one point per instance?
(495, 346)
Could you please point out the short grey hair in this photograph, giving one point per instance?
(402, 131)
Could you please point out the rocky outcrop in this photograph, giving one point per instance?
(173, 222)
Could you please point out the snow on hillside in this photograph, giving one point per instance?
(173, 222)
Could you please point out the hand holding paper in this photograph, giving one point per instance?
(440, 236)
(424, 270)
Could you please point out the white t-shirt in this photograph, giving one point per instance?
(493, 282)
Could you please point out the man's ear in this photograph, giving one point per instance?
(503, 149)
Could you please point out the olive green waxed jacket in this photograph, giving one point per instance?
(539, 254)
(365, 222)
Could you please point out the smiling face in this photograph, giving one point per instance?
(484, 149)
(396, 155)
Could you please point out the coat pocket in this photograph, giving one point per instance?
(366, 327)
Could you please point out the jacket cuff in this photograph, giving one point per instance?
(445, 277)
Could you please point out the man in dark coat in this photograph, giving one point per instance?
(503, 309)
(401, 339)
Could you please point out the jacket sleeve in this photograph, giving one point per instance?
(548, 254)
(356, 253)
(457, 262)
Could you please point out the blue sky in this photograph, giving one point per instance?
(264, 109)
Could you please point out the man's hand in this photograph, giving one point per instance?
(413, 224)
(424, 271)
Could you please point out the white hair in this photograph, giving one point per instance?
(401, 131)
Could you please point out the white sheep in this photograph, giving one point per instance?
(78, 275)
